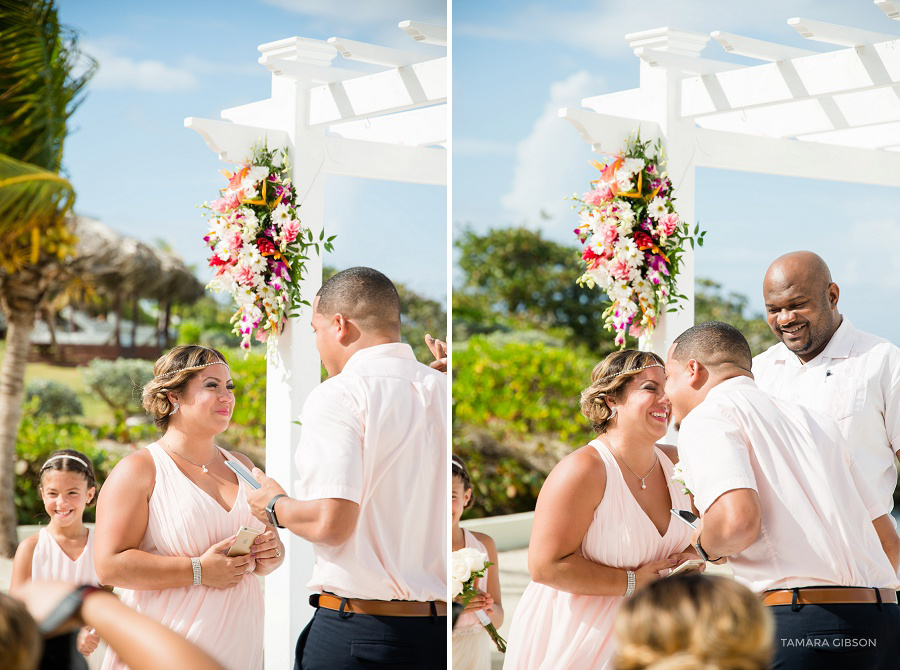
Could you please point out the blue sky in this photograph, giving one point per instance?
(137, 169)
(516, 63)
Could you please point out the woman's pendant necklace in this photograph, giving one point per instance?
(652, 467)
(203, 466)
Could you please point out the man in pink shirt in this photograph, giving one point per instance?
(780, 495)
(372, 490)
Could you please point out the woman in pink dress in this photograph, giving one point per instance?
(169, 512)
(602, 525)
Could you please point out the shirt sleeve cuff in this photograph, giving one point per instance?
(322, 492)
(705, 501)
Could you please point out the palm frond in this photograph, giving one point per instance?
(42, 79)
(33, 203)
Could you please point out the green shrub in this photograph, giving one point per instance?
(54, 399)
(248, 423)
(37, 439)
(520, 388)
(119, 383)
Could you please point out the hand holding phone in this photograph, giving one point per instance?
(243, 473)
(687, 566)
(243, 541)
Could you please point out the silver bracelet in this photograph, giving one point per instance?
(198, 572)
(631, 583)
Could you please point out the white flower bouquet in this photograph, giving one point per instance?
(468, 565)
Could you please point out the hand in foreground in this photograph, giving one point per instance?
(684, 556)
(41, 598)
(87, 641)
(220, 571)
(267, 549)
(650, 572)
(438, 349)
(260, 497)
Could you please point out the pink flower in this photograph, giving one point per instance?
(620, 270)
(219, 205)
(601, 193)
(289, 231)
(636, 330)
(668, 223)
(243, 275)
(610, 234)
(234, 241)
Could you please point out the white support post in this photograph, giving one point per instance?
(297, 368)
(662, 87)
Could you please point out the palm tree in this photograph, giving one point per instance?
(42, 80)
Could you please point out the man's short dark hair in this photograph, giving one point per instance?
(362, 295)
(713, 343)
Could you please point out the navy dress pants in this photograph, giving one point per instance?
(822, 637)
(347, 641)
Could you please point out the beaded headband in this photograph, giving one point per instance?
(59, 456)
(623, 372)
(190, 367)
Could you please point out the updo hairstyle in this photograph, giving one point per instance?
(694, 622)
(608, 380)
(171, 374)
(69, 460)
(461, 472)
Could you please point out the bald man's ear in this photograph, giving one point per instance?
(698, 373)
(833, 293)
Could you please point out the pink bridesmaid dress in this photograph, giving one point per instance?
(185, 521)
(51, 563)
(556, 630)
(471, 642)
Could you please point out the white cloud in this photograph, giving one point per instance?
(470, 146)
(599, 27)
(366, 11)
(552, 162)
(118, 72)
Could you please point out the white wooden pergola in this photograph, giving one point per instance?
(824, 113)
(389, 124)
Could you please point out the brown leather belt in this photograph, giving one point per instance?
(829, 595)
(383, 607)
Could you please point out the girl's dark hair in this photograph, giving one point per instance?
(462, 473)
(71, 461)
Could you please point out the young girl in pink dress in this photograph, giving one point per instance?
(471, 643)
(169, 512)
(63, 550)
(602, 525)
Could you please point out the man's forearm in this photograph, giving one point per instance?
(731, 524)
(329, 521)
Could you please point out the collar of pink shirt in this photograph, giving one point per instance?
(390, 350)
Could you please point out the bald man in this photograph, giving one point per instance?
(824, 363)
(371, 495)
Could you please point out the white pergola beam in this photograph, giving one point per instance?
(234, 142)
(790, 158)
(389, 162)
(418, 85)
(306, 72)
(689, 64)
(831, 73)
(890, 7)
(751, 47)
(422, 127)
(832, 33)
(376, 55)
(426, 33)
(604, 132)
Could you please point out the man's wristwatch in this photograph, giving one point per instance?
(703, 554)
(67, 608)
(270, 511)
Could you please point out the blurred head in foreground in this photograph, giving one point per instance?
(694, 622)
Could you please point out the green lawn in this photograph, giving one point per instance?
(96, 412)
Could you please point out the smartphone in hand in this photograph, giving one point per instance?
(688, 566)
(243, 541)
(686, 516)
(243, 473)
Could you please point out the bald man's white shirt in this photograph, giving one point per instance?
(856, 382)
